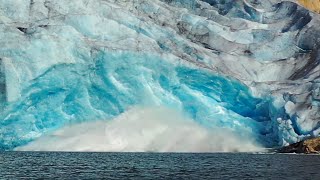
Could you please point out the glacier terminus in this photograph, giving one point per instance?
(158, 75)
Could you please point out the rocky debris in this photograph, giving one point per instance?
(313, 5)
(310, 146)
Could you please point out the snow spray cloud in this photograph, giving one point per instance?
(154, 129)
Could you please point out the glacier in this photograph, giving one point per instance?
(249, 66)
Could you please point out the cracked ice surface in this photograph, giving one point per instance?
(250, 66)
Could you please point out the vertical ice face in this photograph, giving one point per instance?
(3, 92)
(115, 81)
(249, 66)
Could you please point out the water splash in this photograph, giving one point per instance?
(155, 129)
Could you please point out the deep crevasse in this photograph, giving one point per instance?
(250, 66)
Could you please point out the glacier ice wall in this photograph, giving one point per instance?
(249, 66)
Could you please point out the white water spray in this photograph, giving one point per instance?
(155, 129)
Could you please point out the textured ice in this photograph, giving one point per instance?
(249, 66)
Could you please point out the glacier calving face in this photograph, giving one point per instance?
(249, 66)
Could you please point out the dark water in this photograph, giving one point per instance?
(44, 165)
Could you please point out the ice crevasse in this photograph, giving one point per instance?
(249, 66)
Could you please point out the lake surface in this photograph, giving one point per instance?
(50, 165)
